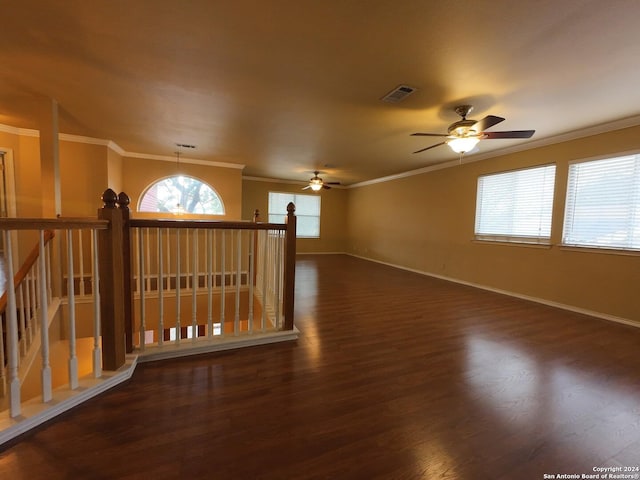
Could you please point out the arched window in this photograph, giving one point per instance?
(181, 194)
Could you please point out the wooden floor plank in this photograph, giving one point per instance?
(395, 375)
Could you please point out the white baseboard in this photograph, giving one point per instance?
(320, 253)
(189, 347)
(563, 306)
(35, 412)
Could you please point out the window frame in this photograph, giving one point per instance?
(513, 238)
(297, 213)
(571, 202)
(163, 179)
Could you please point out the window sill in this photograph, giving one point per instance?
(601, 250)
(512, 243)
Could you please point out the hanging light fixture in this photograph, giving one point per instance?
(463, 144)
(178, 209)
(316, 184)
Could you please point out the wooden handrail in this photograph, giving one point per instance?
(59, 223)
(223, 225)
(26, 266)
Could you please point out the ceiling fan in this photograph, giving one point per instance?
(316, 183)
(464, 134)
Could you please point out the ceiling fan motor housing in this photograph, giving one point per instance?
(462, 128)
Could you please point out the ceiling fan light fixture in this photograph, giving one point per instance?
(315, 184)
(463, 144)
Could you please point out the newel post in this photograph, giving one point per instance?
(289, 267)
(112, 298)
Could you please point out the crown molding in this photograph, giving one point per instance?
(274, 180)
(67, 137)
(193, 161)
(287, 182)
(25, 132)
(563, 137)
(543, 142)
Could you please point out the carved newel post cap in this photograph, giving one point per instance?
(124, 201)
(256, 215)
(109, 198)
(291, 208)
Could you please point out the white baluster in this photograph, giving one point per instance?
(209, 257)
(160, 290)
(3, 373)
(44, 321)
(12, 331)
(31, 301)
(97, 354)
(252, 239)
(34, 300)
(194, 287)
(71, 296)
(29, 306)
(148, 253)
(141, 287)
(187, 277)
(236, 319)
(23, 321)
(168, 259)
(223, 282)
(178, 274)
(279, 241)
(81, 263)
(265, 266)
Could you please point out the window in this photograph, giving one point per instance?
(307, 212)
(603, 204)
(516, 206)
(181, 194)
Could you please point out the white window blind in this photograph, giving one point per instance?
(516, 206)
(603, 204)
(307, 212)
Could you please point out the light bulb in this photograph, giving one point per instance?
(463, 144)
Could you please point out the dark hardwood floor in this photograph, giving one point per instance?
(394, 376)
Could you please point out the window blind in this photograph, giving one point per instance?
(307, 212)
(516, 206)
(603, 204)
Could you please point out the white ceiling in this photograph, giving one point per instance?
(289, 86)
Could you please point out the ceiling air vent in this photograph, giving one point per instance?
(398, 94)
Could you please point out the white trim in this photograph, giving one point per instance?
(543, 142)
(320, 253)
(66, 137)
(25, 132)
(563, 306)
(606, 156)
(194, 161)
(275, 180)
(288, 182)
(563, 137)
(35, 413)
(201, 345)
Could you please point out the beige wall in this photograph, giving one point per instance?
(423, 222)
(26, 161)
(83, 178)
(426, 222)
(141, 173)
(114, 171)
(333, 213)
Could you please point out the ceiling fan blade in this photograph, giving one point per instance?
(332, 183)
(308, 186)
(326, 187)
(429, 134)
(432, 146)
(487, 122)
(511, 134)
